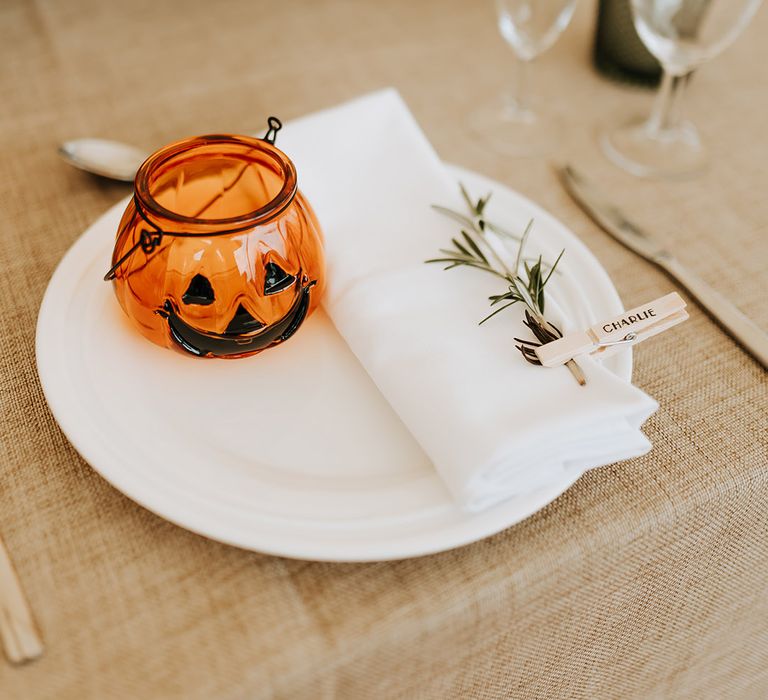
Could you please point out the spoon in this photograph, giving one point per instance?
(111, 159)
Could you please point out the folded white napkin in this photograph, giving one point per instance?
(494, 425)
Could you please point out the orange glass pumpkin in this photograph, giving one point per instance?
(218, 254)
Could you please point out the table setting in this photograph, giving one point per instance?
(344, 364)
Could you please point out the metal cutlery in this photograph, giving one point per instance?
(21, 639)
(638, 240)
(111, 159)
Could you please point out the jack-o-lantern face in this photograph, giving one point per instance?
(228, 286)
(236, 300)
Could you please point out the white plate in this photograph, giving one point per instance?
(293, 452)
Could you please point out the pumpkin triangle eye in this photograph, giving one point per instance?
(242, 322)
(199, 292)
(276, 279)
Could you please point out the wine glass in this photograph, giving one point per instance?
(682, 34)
(529, 27)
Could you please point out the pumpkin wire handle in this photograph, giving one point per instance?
(149, 240)
(274, 125)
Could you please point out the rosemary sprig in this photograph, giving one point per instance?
(481, 246)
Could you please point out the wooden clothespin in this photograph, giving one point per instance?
(630, 328)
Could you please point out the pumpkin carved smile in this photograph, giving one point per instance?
(242, 336)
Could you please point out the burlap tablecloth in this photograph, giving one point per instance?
(645, 580)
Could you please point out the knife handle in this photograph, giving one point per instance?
(17, 629)
(733, 322)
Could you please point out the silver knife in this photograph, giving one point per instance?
(611, 220)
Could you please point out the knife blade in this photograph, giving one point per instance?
(613, 221)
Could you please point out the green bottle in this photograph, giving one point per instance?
(619, 53)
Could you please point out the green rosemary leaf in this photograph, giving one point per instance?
(453, 253)
(499, 310)
(552, 269)
(522, 244)
(467, 198)
(462, 248)
(498, 297)
(454, 262)
(523, 291)
(481, 203)
(539, 286)
(445, 260)
(487, 268)
(544, 264)
(509, 296)
(499, 231)
(474, 246)
(463, 220)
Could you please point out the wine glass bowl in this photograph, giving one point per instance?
(687, 33)
(530, 27)
(682, 35)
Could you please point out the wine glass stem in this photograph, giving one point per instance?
(520, 90)
(666, 109)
